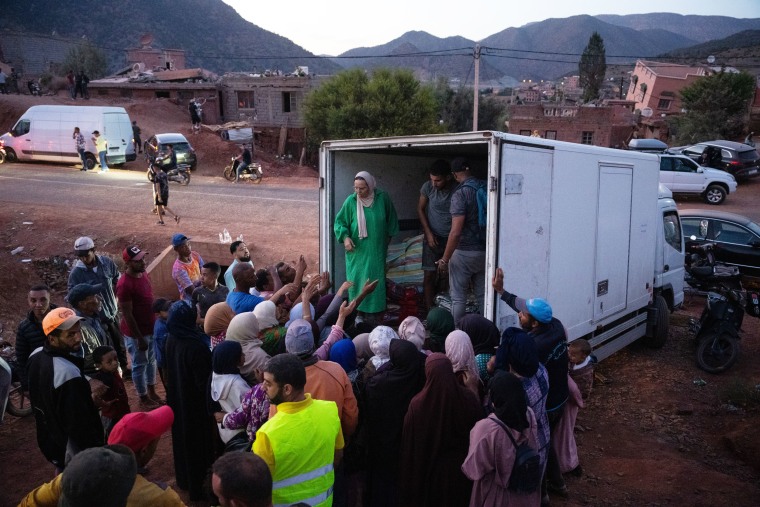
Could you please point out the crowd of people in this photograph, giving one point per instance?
(284, 390)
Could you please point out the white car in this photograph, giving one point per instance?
(681, 175)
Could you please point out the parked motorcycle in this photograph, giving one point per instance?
(180, 174)
(2, 151)
(18, 402)
(253, 172)
(34, 87)
(717, 330)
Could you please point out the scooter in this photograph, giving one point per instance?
(717, 330)
(180, 174)
(253, 172)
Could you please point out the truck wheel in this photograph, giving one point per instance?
(715, 194)
(229, 174)
(717, 352)
(657, 334)
(91, 162)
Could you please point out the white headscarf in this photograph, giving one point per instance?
(361, 222)
(379, 343)
(411, 329)
(459, 350)
(266, 313)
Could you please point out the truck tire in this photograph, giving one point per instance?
(658, 333)
(717, 352)
(715, 194)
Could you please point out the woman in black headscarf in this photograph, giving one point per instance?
(491, 456)
(188, 368)
(434, 441)
(387, 396)
(484, 336)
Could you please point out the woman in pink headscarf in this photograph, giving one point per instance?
(365, 225)
(462, 356)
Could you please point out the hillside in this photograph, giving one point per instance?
(741, 50)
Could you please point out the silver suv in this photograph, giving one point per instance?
(684, 176)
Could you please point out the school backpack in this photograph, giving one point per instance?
(481, 197)
(526, 472)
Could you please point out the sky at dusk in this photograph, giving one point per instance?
(335, 26)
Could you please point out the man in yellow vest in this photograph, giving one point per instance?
(303, 441)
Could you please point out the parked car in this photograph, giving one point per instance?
(684, 176)
(156, 145)
(737, 238)
(738, 159)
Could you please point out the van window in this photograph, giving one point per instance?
(21, 128)
(672, 229)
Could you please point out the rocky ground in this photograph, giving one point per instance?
(656, 431)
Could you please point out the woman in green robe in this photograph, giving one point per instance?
(365, 224)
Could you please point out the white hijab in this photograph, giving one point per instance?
(361, 222)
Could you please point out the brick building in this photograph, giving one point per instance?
(33, 55)
(656, 85)
(610, 125)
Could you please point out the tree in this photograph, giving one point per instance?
(456, 111)
(354, 105)
(716, 108)
(592, 67)
(85, 56)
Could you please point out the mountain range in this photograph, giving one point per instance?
(217, 38)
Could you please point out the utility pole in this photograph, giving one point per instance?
(477, 88)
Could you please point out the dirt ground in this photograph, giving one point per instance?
(656, 431)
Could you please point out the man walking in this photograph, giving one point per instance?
(29, 334)
(100, 270)
(135, 295)
(186, 270)
(240, 253)
(66, 418)
(101, 146)
(136, 141)
(434, 212)
(303, 441)
(465, 254)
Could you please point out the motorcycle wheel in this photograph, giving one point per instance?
(147, 175)
(229, 174)
(717, 352)
(18, 404)
(2, 157)
(184, 179)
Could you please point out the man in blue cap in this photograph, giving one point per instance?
(551, 340)
(186, 270)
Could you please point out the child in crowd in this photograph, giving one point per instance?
(110, 397)
(581, 365)
(160, 332)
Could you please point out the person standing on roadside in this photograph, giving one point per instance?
(66, 417)
(72, 85)
(29, 334)
(135, 295)
(3, 87)
(101, 146)
(94, 269)
(136, 141)
(240, 253)
(434, 212)
(80, 144)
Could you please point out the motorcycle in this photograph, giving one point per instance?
(253, 172)
(34, 87)
(2, 151)
(718, 327)
(18, 401)
(180, 174)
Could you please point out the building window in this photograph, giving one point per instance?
(587, 137)
(664, 104)
(245, 100)
(525, 132)
(126, 92)
(288, 102)
(551, 134)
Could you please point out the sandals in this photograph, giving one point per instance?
(160, 222)
(176, 219)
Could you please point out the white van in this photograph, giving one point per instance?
(588, 228)
(44, 133)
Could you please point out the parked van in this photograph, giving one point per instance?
(582, 226)
(44, 133)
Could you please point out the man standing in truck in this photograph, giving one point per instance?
(434, 212)
(465, 254)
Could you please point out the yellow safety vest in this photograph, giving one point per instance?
(302, 437)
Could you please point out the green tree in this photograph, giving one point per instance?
(456, 111)
(716, 108)
(354, 105)
(87, 57)
(592, 67)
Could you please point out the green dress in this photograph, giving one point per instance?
(367, 260)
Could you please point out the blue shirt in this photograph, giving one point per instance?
(242, 301)
(160, 332)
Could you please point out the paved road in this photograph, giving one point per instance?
(205, 197)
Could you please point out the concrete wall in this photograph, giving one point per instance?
(34, 55)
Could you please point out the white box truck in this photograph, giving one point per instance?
(585, 227)
(44, 134)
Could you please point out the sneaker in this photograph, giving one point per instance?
(157, 399)
(147, 404)
(160, 222)
(576, 472)
(176, 219)
(560, 491)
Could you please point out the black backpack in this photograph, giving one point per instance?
(526, 472)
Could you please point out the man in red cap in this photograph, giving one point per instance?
(141, 432)
(135, 295)
(66, 417)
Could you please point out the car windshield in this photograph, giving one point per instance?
(181, 147)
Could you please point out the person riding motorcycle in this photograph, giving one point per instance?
(244, 159)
